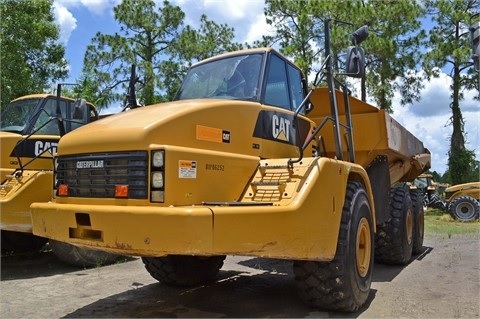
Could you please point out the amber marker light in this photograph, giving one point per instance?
(121, 191)
(62, 190)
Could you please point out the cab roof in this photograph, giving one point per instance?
(239, 52)
(43, 96)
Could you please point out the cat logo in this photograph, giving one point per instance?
(42, 147)
(280, 128)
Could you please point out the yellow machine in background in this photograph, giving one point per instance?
(246, 161)
(30, 129)
(463, 201)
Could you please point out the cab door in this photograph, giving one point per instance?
(282, 133)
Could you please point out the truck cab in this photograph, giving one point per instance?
(263, 77)
(231, 111)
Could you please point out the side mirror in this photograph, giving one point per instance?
(475, 43)
(80, 110)
(360, 35)
(355, 64)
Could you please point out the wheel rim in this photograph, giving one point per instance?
(364, 247)
(465, 210)
(409, 225)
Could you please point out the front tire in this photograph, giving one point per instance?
(344, 283)
(185, 271)
(465, 208)
(394, 240)
(81, 257)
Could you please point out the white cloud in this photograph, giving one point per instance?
(68, 22)
(65, 20)
(429, 120)
(257, 29)
(96, 7)
(435, 98)
(246, 16)
(233, 9)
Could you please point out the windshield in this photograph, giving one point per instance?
(39, 115)
(234, 77)
(420, 182)
(16, 115)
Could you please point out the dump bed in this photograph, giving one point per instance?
(376, 135)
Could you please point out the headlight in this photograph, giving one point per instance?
(157, 159)
(157, 179)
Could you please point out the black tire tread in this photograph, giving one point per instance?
(391, 246)
(188, 271)
(326, 284)
(461, 199)
(418, 221)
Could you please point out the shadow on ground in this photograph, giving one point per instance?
(235, 294)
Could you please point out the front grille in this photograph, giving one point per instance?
(96, 175)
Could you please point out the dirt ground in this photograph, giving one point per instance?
(442, 282)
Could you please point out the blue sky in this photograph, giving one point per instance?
(428, 119)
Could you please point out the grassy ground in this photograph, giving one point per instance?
(441, 223)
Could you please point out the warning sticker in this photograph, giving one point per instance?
(187, 169)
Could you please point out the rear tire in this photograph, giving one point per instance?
(394, 240)
(418, 221)
(185, 271)
(81, 257)
(464, 208)
(344, 283)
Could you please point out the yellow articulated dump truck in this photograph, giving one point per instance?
(30, 129)
(245, 161)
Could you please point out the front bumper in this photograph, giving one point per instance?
(126, 229)
(262, 231)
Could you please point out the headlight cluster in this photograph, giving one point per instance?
(157, 176)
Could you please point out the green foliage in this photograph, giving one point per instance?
(391, 48)
(296, 30)
(449, 44)
(146, 32)
(436, 177)
(463, 168)
(153, 37)
(448, 40)
(31, 57)
(87, 89)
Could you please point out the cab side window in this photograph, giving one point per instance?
(49, 110)
(296, 91)
(276, 87)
